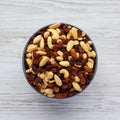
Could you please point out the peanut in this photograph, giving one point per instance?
(60, 53)
(69, 58)
(68, 35)
(92, 54)
(30, 71)
(77, 55)
(84, 56)
(65, 73)
(44, 60)
(31, 48)
(58, 30)
(90, 65)
(89, 42)
(76, 86)
(49, 42)
(29, 62)
(63, 37)
(58, 81)
(90, 60)
(70, 45)
(46, 34)
(52, 60)
(29, 55)
(76, 42)
(80, 38)
(54, 26)
(42, 75)
(83, 33)
(37, 39)
(41, 52)
(74, 32)
(84, 46)
(77, 79)
(50, 75)
(51, 81)
(64, 63)
(59, 58)
(51, 95)
(42, 43)
(48, 91)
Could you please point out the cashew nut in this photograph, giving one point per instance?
(55, 34)
(65, 73)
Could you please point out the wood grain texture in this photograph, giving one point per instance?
(19, 19)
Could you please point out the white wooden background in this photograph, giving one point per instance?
(19, 19)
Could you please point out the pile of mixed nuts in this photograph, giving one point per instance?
(59, 60)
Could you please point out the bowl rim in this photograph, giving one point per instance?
(95, 65)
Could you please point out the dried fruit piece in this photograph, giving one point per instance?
(61, 95)
(87, 69)
(73, 53)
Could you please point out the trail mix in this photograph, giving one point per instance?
(59, 60)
